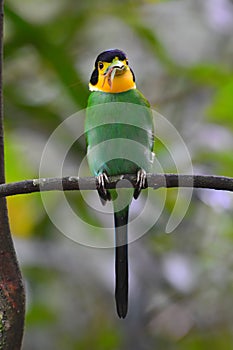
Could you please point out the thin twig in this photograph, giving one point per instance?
(71, 183)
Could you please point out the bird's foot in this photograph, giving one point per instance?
(141, 182)
(104, 194)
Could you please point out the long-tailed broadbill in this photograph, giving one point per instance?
(119, 133)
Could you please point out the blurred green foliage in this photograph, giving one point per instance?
(182, 283)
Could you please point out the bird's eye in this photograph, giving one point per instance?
(127, 62)
(101, 65)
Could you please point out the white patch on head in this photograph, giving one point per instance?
(93, 88)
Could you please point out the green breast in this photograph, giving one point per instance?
(119, 132)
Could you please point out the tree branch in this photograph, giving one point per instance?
(12, 300)
(154, 181)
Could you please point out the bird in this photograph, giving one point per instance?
(120, 138)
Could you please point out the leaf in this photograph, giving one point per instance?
(221, 109)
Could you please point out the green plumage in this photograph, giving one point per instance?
(119, 133)
(124, 115)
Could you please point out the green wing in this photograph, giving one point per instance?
(125, 116)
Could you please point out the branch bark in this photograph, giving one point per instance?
(12, 300)
(154, 181)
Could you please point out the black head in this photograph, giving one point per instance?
(107, 56)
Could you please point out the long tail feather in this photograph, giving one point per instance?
(121, 261)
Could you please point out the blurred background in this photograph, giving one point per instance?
(181, 284)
